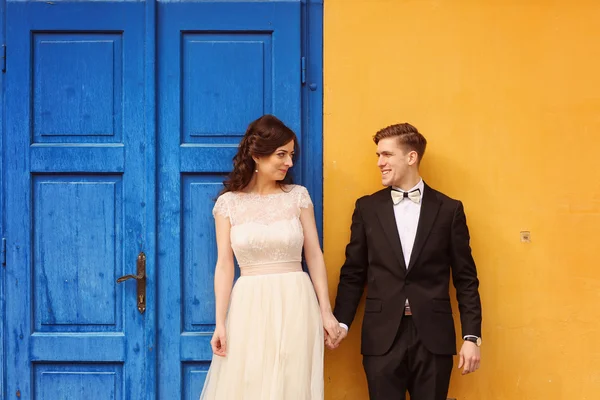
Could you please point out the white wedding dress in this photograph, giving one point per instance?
(274, 328)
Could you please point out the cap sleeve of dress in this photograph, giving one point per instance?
(222, 206)
(304, 200)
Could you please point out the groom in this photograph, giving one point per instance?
(405, 242)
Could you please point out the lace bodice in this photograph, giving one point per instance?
(265, 229)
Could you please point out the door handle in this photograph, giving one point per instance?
(141, 282)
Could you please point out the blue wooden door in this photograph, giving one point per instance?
(221, 65)
(114, 145)
(75, 201)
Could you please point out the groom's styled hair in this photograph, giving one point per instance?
(407, 135)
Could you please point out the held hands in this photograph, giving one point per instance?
(219, 342)
(334, 333)
(331, 327)
(334, 344)
(469, 357)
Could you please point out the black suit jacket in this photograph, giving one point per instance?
(374, 259)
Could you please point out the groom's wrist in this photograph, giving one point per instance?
(473, 339)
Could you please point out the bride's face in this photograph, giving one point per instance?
(276, 166)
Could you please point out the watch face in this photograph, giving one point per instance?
(478, 341)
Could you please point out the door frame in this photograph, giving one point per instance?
(312, 105)
(2, 224)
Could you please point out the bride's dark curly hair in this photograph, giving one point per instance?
(262, 138)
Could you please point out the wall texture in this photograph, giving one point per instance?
(508, 95)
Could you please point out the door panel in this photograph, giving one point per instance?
(222, 65)
(75, 140)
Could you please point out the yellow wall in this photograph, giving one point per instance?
(507, 92)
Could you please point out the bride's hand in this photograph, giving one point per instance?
(219, 342)
(331, 326)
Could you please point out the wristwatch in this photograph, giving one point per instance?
(474, 339)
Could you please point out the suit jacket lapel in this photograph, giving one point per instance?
(427, 216)
(385, 213)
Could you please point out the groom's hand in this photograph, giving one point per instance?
(343, 333)
(469, 357)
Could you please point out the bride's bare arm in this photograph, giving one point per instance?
(223, 269)
(316, 267)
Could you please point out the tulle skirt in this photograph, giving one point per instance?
(274, 342)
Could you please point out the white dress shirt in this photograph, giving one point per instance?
(407, 214)
(407, 220)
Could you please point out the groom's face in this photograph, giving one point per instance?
(393, 161)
